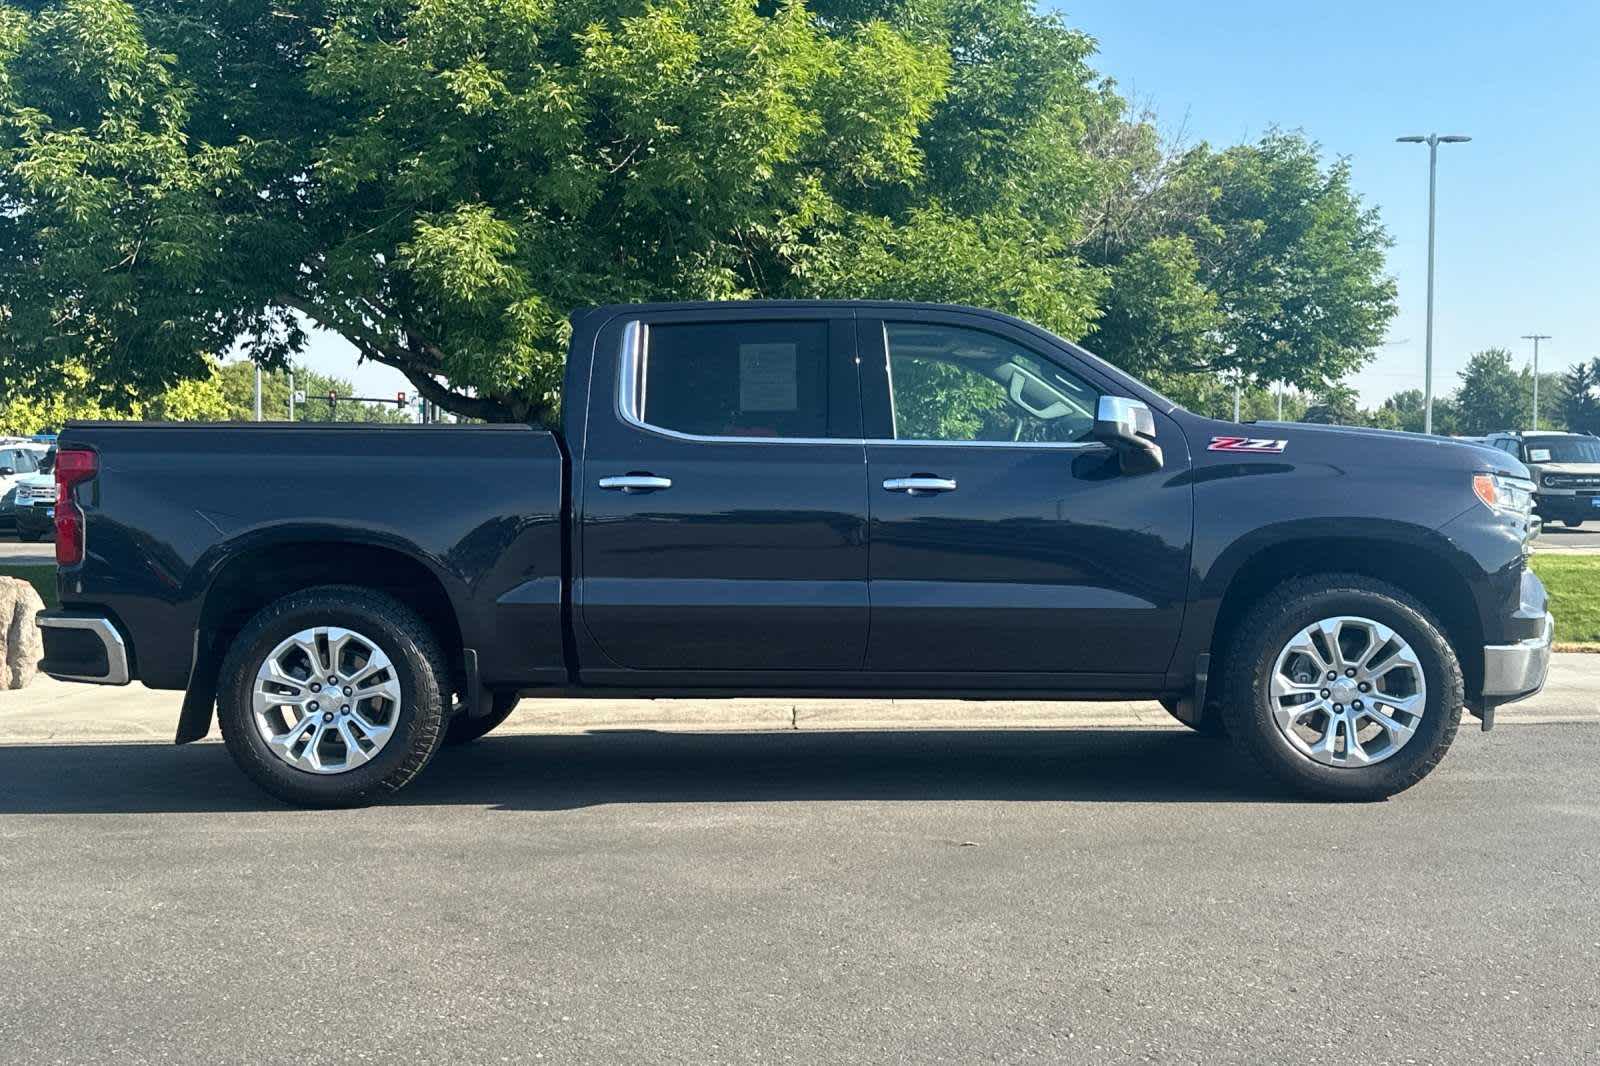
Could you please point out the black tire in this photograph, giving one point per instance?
(1210, 724)
(419, 667)
(1267, 628)
(464, 729)
(29, 536)
(1574, 523)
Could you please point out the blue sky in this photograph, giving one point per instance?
(1519, 212)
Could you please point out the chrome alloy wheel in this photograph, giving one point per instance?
(1348, 692)
(326, 700)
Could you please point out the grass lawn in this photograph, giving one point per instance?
(41, 575)
(1573, 582)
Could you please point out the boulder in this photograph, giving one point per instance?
(21, 647)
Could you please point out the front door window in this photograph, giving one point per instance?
(954, 384)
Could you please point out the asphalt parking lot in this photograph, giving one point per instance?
(1079, 895)
(1585, 538)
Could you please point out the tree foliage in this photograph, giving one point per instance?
(227, 394)
(1580, 397)
(223, 392)
(441, 181)
(1275, 272)
(1492, 395)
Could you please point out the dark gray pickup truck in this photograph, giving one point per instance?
(847, 499)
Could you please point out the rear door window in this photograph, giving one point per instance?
(740, 379)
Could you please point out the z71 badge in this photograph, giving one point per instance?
(1259, 445)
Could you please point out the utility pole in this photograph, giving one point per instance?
(1535, 338)
(258, 392)
(1433, 141)
(291, 395)
(1236, 391)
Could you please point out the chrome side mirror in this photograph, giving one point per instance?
(1129, 426)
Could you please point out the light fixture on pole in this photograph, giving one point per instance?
(1535, 338)
(1433, 141)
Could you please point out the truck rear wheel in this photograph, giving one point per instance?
(332, 697)
(464, 729)
(1343, 687)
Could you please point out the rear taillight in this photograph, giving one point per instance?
(73, 468)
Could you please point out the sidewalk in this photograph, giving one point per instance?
(54, 712)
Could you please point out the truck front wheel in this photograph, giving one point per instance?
(332, 696)
(1343, 687)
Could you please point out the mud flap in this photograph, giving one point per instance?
(200, 695)
(1190, 709)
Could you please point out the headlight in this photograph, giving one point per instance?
(1508, 495)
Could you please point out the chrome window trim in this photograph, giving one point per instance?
(629, 397)
(1058, 445)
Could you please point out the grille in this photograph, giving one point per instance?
(1572, 481)
(39, 494)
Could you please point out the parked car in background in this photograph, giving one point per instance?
(19, 458)
(35, 502)
(1566, 472)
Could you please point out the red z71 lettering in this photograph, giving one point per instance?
(1263, 445)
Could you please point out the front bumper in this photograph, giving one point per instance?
(80, 646)
(38, 518)
(1567, 506)
(1514, 672)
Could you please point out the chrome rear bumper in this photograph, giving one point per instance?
(83, 647)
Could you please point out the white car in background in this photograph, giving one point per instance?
(34, 507)
(19, 459)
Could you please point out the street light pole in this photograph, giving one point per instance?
(1433, 141)
(258, 392)
(1535, 338)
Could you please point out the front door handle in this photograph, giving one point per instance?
(636, 483)
(921, 485)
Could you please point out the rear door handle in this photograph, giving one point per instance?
(636, 483)
(920, 485)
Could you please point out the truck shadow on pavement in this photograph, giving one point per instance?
(558, 772)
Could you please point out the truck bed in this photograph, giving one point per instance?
(180, 510)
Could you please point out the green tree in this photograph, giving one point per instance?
(1276, 272)
(227, 393)
(440, 181)
(1336, 405)
(436, 181)
(1405, 410)
(1492, 395)
(1580, 406)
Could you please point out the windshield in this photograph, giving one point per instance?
(1563, 450)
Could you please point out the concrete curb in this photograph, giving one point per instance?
(52, 712)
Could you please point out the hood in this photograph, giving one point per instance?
(1567, 468)
(1360, 443)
